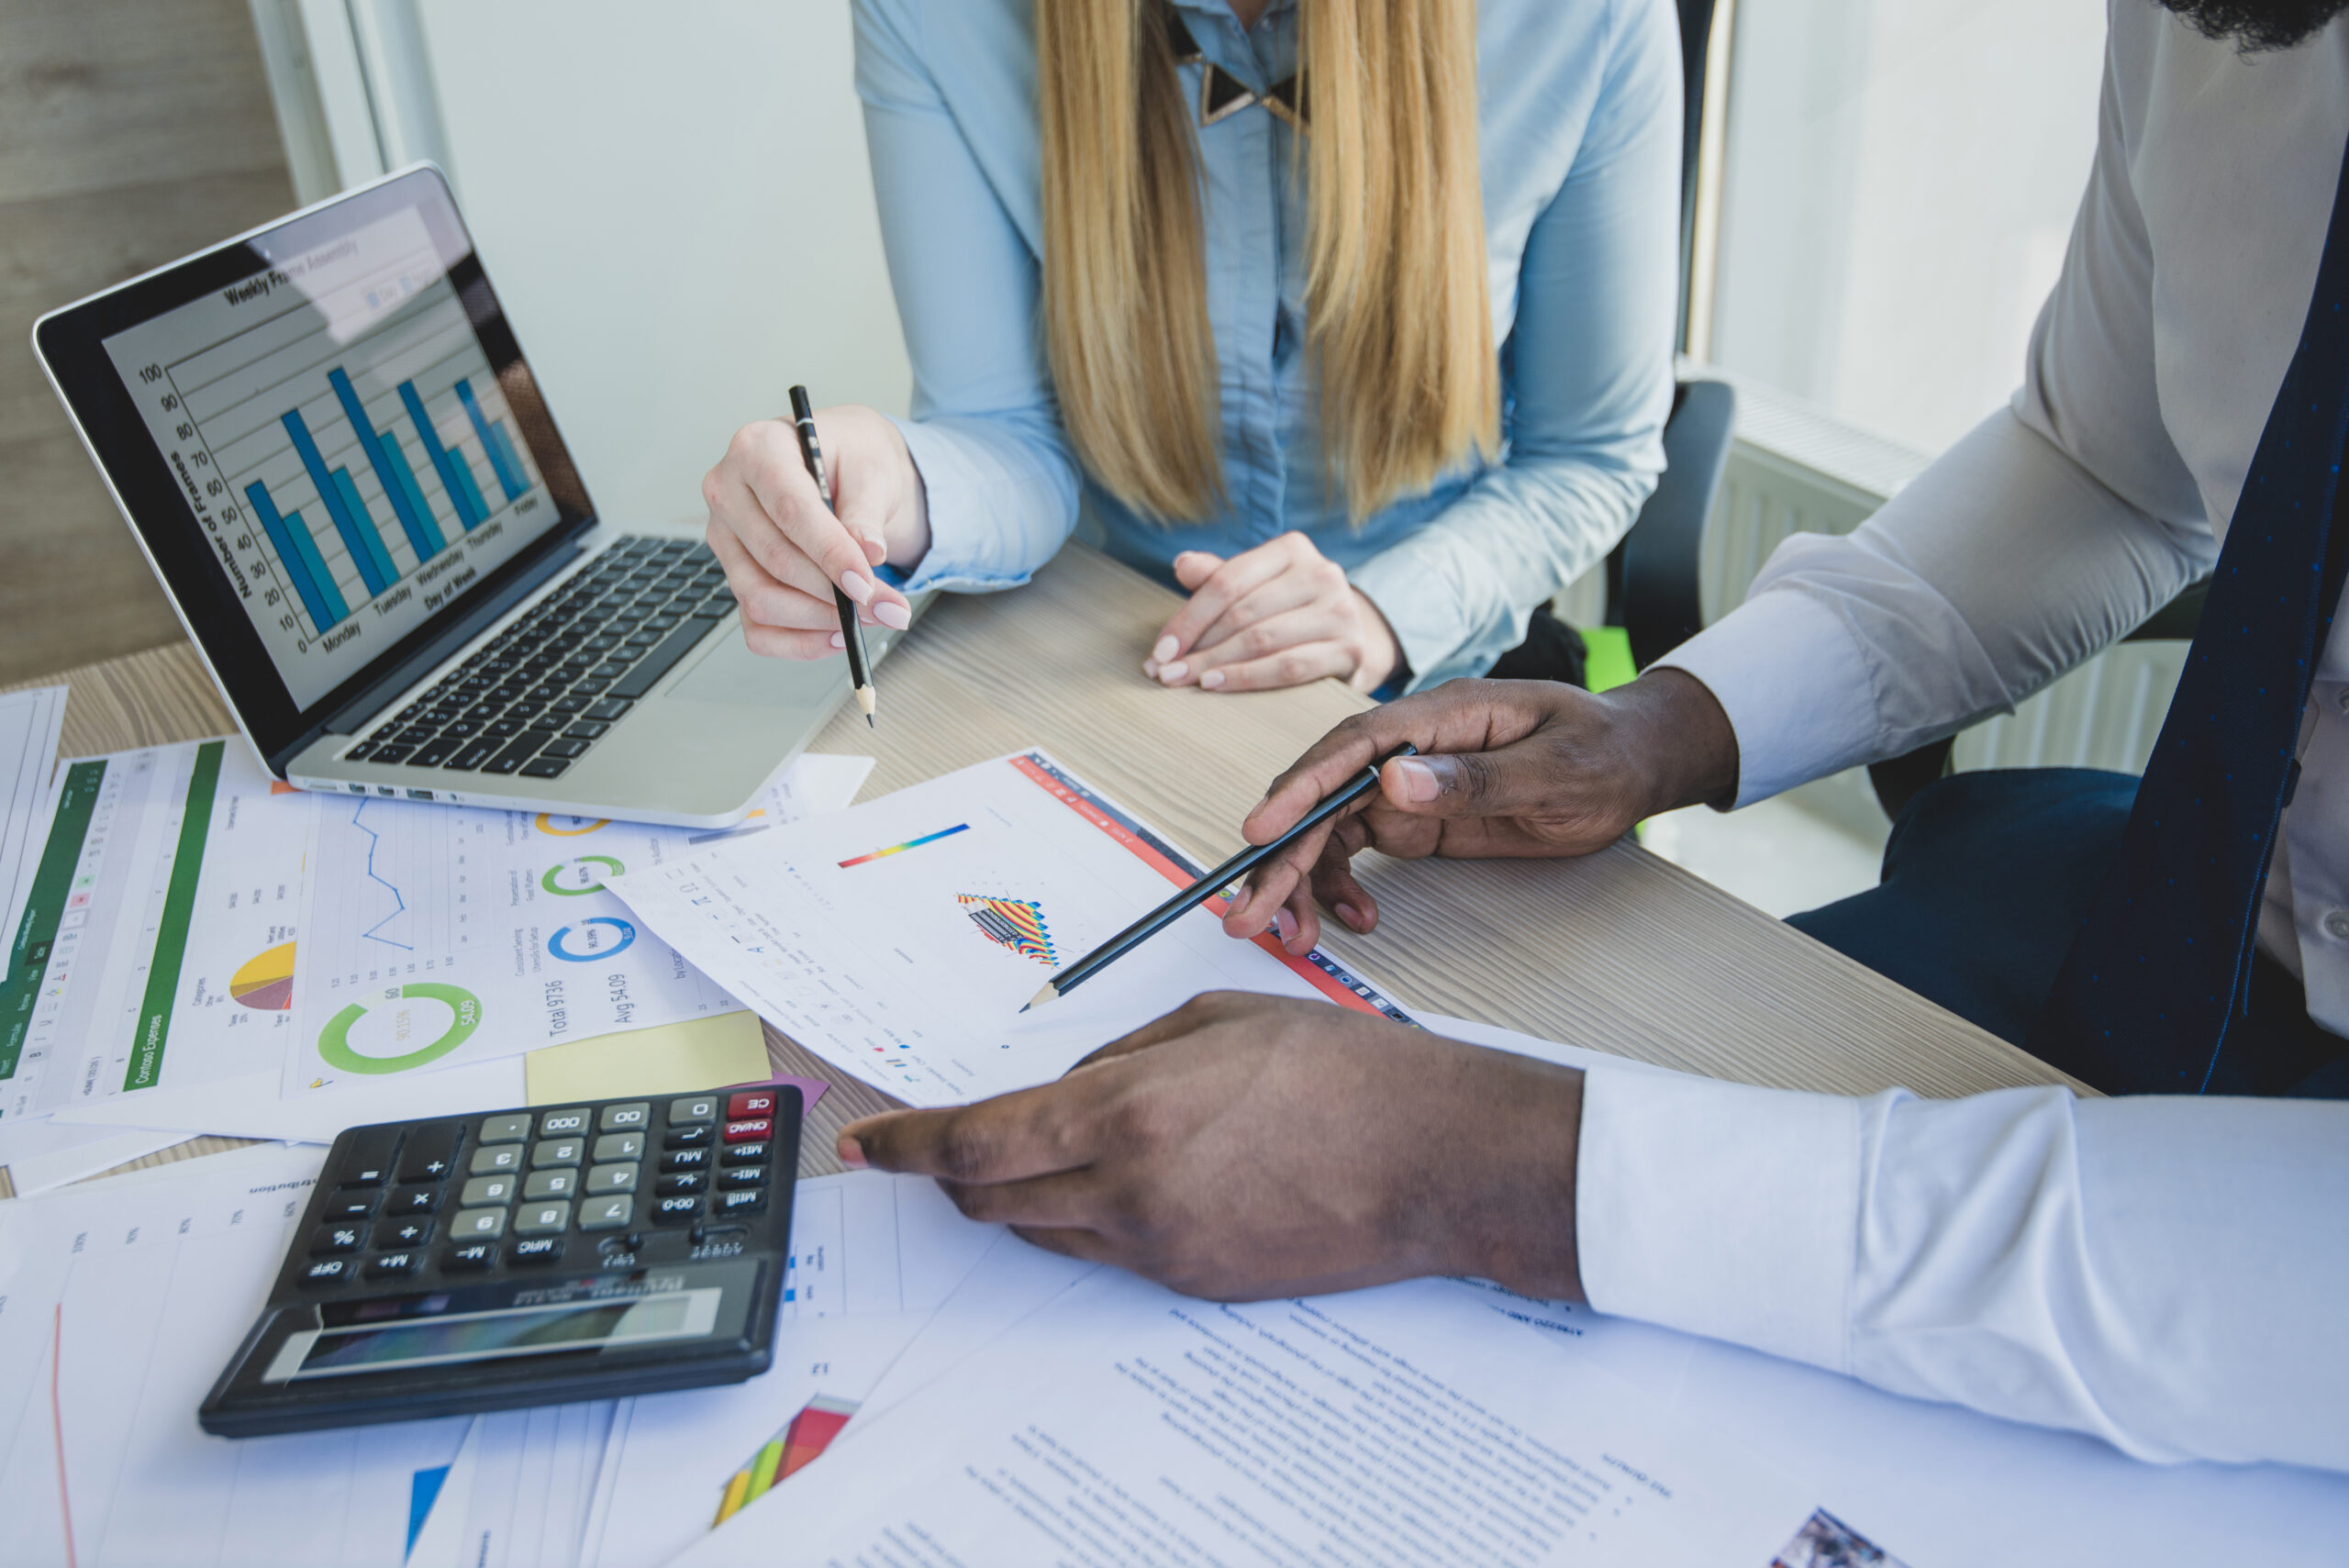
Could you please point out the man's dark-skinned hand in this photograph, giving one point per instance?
(1505, 768)
(1247, 1147)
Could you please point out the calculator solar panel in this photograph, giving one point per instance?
(525, 1257)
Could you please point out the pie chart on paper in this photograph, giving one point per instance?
(266, 983)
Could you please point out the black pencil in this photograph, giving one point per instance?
(1215, 881)
(811, 452)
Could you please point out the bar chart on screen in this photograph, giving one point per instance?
(337, 425)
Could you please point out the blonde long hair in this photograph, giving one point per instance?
(1399, 322)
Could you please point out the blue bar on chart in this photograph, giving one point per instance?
(300, 553)
(494, 440)
(454, 479)
(357, 528)
(417, 521)
(374, 539)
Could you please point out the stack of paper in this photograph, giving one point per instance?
(198, 948)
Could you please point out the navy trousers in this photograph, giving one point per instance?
(1986, 878)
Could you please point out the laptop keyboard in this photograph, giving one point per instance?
(533, 700)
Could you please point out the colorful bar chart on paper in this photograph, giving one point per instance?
(359, 463)
(807, 1435)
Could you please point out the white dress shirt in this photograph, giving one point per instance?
(2170, 1274)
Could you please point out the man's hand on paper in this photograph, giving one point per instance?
(783, 552)
(1279, 615)
(1505, 768)
(1247, 1147)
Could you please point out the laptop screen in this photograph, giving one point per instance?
(329, 443)
(334, 424)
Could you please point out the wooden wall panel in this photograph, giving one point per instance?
(131, 131)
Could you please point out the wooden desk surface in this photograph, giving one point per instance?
(1620, 952)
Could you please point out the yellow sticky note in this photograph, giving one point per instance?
(701, 1053)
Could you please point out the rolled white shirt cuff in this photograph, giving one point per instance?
(1786, 670)
(1721, 1209)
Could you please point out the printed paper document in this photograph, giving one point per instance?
(898, 940)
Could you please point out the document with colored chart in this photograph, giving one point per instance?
(437, 935)
(154, 947)
(898, 940)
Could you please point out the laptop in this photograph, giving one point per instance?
(330, 444)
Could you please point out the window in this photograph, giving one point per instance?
(1898, 181)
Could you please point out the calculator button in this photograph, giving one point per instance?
(541, 1219)
(557, 1151)
(477, 1224)
(704, 1234)
(470, 1258)
(497, 1160)
(367, 1161)
(702, 1107)
(619, 1146)
(323, 1272)
(675, 1211)
(631, 1117)
(606, 1213)
(537, 1250)
(744, 1154)
(413, 1200)
(743, 1176)
(350, 1205)
(337, 1239)
(506, 1130)
(403, 1232)
(685, 1159)
(486, 1189)
(612, 1179)
(683, 1182)
(756, 1129)
(686, 1138)
(746, 1201)
(391, 1265)
(431, 1152)
(556, 1124)
(751, 1102)
(551, 1184)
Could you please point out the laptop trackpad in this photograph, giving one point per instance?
(732, 675)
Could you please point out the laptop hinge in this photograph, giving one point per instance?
(355, 713)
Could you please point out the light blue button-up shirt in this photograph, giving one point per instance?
(1579, 119)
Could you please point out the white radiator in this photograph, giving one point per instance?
(1794, 469)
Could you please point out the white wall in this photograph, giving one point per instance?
(673, 200)
(1899, 182)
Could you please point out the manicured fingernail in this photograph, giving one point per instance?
(893, 616)
(1212, 679)
(1167, 648)
(1287, 923)
(1419, 779)
(1351, 915)
(1174, 672)
(851, 1152)
(854, 584)
(1150, 668)
(839, 641)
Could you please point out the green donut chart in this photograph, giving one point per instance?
(614, 868)
(334, 1040)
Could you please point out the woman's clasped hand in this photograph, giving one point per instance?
(1279, 615)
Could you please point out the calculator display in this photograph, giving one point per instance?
(483, 1336)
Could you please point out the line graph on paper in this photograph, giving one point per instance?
(398, 892)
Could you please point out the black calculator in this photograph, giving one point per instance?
(525, 1257)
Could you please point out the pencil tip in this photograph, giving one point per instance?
(869, 724)
(1050, 993)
